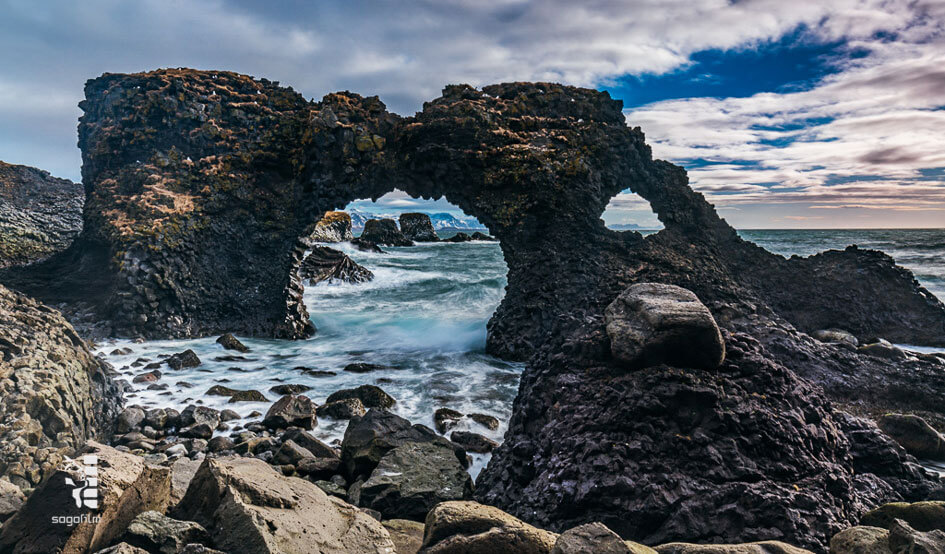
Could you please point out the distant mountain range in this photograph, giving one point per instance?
(631, 227)
(440, 220)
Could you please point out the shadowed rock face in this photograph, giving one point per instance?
(200, 184)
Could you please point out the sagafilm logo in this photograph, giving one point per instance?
(85, 491)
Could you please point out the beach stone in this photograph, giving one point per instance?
(332, 227)
(149, 377)
(229, 415)
(861, 540)
(220, 390)
(406, 534)
(363, 367)
(883, 349)
(412, 478)
(200, 415)
(229, 342)
(292, 410)
(318, 468)
(921, 516)
(473, 528)
(487, 421)
(384, 232)
(761, 547)
(127, 486)
(182, 472)
(591, 538)
(333, 489)
(255, 446)
(157, 533)
(250, 508)
(156, 418)
(290, 453)
(915, 435)
(904, 539)
(307, 441)
(11, 499)
(220, 444)
(186, 359)
(654, 323)
(418, 227)
(129, 419)
(446, 418)
(835, 336)
(342, 409)
(198, 431)
(473, 442)
(370, 395)
(367, 439)
(290, 389)
(248, 396)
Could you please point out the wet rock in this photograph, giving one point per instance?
(861, 540)
(307, 441)
(915, 435)
(591, 538)
(460, 237)
(762, 547)
(366, 246)
(482, 236)
(250, 508)
(156, 418)
(445, 418)
(290, 453)
(473, 528)
(487, 421)
(11, 499)
(230, 342)
(370, 395)
(332, 227)
(198, 431)
(922, 516)
(412, 478)
(40, 214)
(342, 409)
(361, 367)
(367, 439)
(247, 396)
(473, 442)
(129, 419)
(384, 232)
(837, 336)
(229, 415)
(200, 415)
(330, 265)
(157, 533)
(318, 468)
(186, 359)
(653, 323)
(418, 227)
(407, 535)
(220, 390)
(291, 410)
(290, 389)
(55, 393)
(220, 444)
(883, 349)
(126, 487)
(903, 538)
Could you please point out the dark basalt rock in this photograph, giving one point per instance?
(328, 264)
(229, 342)
(460, 237)
(332, 227)
(418, 227)
(384, 232)
(915, 435)
(187, 358)
(40, 215)
(371, 396)
(291, 410)
(366, 246)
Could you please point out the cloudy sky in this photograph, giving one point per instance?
(786, 114)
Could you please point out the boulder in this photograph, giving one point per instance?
(861, 540)
(182, 472)
(40, 215)
(915, 435)
(383, 232)
(292, 410)
(482, 236)
(446, 418)
(370, 395)
(835, 336)
(247, 396)
(473, 528)
(330, 265)
(51, 521)
(418, 227)
(56, 394)
(593, 538)
(366, 246)
(122, 548)
(460, 237)
(318, 468)
(199, 415)
(229, 342)
(129, 419)
(473, 442)
(332, 227)
(310, 443)
(250, 508)
(220, 390)
(11, 499)
(186, 359)
(367, 439)
(653, 323)
(149, 377)
(290, 389)
(342, 409)
(407, 535)
(362, 367)
(883, 349)
(487, 421)
(761, 547)
(290, 453)
(159, 534)
(922, 516)
(904, 539)
(412, 478)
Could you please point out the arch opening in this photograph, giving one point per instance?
(628, 211)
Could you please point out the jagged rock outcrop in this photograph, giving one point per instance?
(328, 264)
(39, 214)
(55, 394)
(418, 227)
(384, 232)
(332, 227)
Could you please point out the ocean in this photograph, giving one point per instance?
(425, 315)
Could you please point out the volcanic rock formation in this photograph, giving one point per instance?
(332, 227)
(418, 227)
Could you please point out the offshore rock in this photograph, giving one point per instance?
(332, 227)
(418, 227)
(56, 394)
(40, 215)
(652, 323)
(384, 232)
(328, 264)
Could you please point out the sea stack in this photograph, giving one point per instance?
(418, 227)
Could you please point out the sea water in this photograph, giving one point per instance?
(425, 315)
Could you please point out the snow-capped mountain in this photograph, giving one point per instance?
(441, 220)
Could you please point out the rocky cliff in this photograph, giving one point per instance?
(39, 214)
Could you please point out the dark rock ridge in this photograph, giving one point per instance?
(56, 394)
(201, 185)
(328, 264)
(39, 214)
(384, 232)
(418, 227)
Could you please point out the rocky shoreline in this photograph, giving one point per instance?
(686, 387)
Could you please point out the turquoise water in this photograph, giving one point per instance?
(425, 315)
